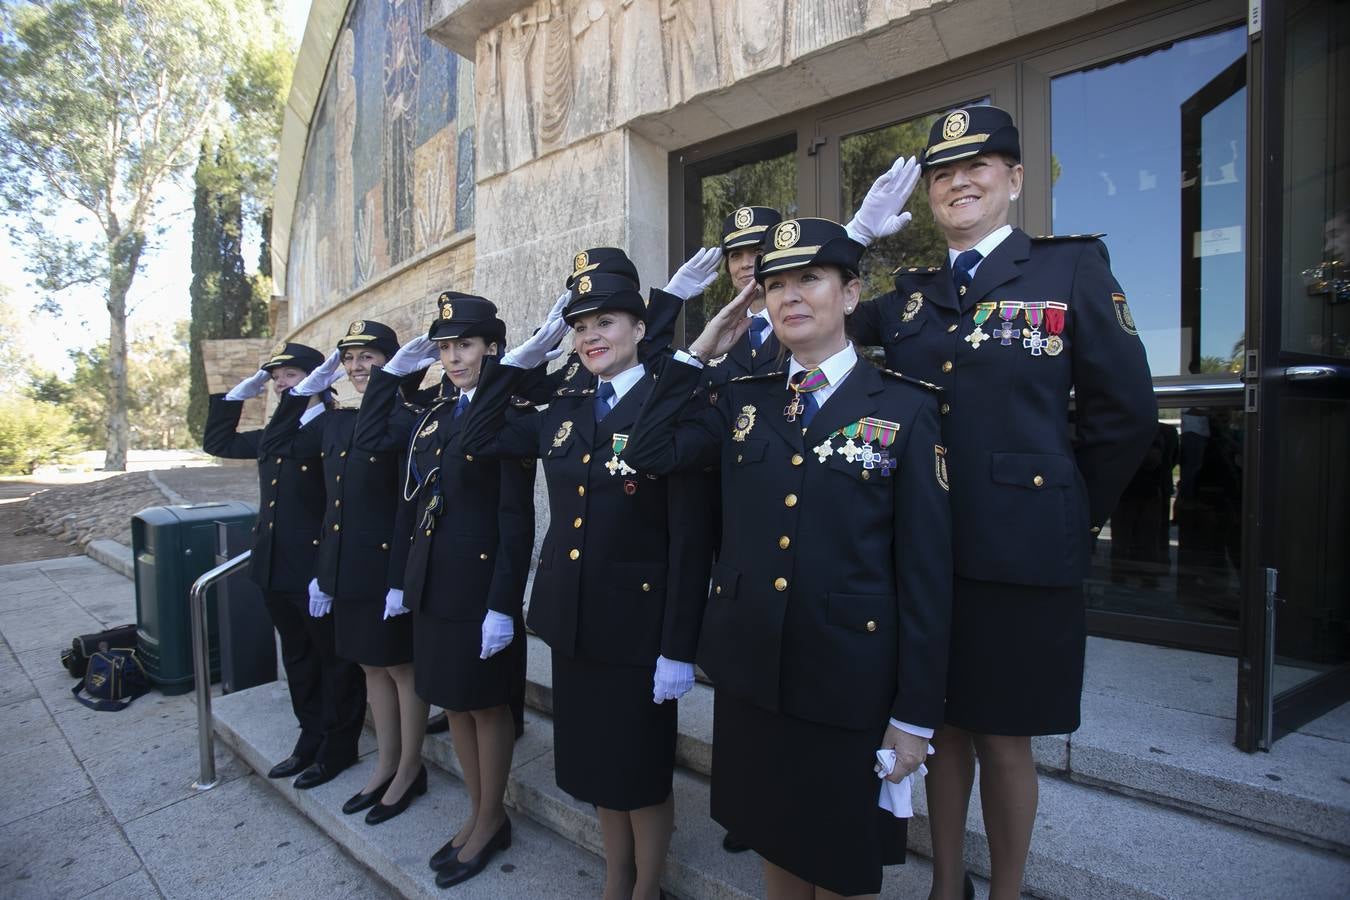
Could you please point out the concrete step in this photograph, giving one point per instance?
(1148, 748)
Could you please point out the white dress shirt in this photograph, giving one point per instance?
(986, 246)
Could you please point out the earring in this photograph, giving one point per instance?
(1013, 197)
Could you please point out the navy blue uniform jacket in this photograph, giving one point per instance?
(831, 597)
(1030, 489)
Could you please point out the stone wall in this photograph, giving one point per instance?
(229, 361)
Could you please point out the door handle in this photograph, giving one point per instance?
(1316, 374)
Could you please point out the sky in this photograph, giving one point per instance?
(159, 295)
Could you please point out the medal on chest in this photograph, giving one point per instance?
(617, 465)
(1054, 323)
(1031, 337)
(978, 335)
(1007, 311)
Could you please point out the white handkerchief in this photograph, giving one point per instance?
(896, 798)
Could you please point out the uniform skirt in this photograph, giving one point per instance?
(1016, 660)
(449, 673)
(364, 636)
(612, 746)
(804, 796)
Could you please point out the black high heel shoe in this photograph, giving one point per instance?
(358, 802)
(462, 870)
(381, 813)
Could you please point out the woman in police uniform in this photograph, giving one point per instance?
(360, 565)
(622, 575)
(756, 351)
(826, 630)
(473, 528)
(1009, 325)
(328, 693)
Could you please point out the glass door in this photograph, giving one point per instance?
(1295, 660)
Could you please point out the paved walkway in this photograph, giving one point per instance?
(99, 804)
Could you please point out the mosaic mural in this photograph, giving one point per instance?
(389, 168)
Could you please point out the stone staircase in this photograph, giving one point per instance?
(1147, 800)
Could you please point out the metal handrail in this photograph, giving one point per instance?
(201, 664)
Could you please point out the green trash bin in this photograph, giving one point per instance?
(172, 546)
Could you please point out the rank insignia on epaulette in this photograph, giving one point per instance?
(1069, 237)
(912, 270)
(563, 433)
(430, 429)
(940, 466)
(520, 402)
(716, 361)
(745, 421)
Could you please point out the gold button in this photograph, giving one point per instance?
(796, 459)
(316, 542)
(438, 451)
(372, 459)
(1096, 529)
(271, 503)
(279, 459)
(428, 532)
(951, 328)
(469, 457)
(717, 590)
(576, 523)
(337, 477)
(784, 542)
(739, 457)
(304, 468)
(482, 556)
(866, 474)
(871, 626)
(274, 481)
(343, 453)
(780, 584)
(646, 586)
(337, 527)
(585, 457)
(581, 490)
(272, 525)
(1038, 481)
(322, 454)
(384, 546)
(790, 500)
(945, 408)
(575, 554)
(337, 502)
(947, 366)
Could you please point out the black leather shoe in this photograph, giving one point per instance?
(319, 773)
(462, 870)
(446, 856)
(358, 802)
(381, 813)
(291, 765)
(731, 845)
(438, 724)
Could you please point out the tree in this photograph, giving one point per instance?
(32, 433)
(158, 363)
(102, 104)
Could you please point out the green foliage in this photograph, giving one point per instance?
(33, 433)
(157, 376)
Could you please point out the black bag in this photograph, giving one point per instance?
(76, 659)
(114, 678)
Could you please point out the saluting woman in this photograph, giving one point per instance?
(328, 693)
(622, 575)
(472, 531)
(826, 630)
(1010, 325)
(359, 571)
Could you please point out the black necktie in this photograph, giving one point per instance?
(966, 260)
(603, 395)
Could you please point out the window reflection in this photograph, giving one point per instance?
(1152, 151)
(1172, 546)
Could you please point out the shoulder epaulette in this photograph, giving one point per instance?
(573, 392)
(520, 402)
(919, 382)
(761, 377)
(1069, 237)
(916, 270)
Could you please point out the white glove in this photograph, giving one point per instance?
(535, 349)
(693, 278)
(413, 356)
(672, 681)
(498, 632)
(252, 386)
(322, 378)
(320, 604)
(393, 604)
(879, 215)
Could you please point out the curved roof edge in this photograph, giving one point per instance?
(311, 66)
